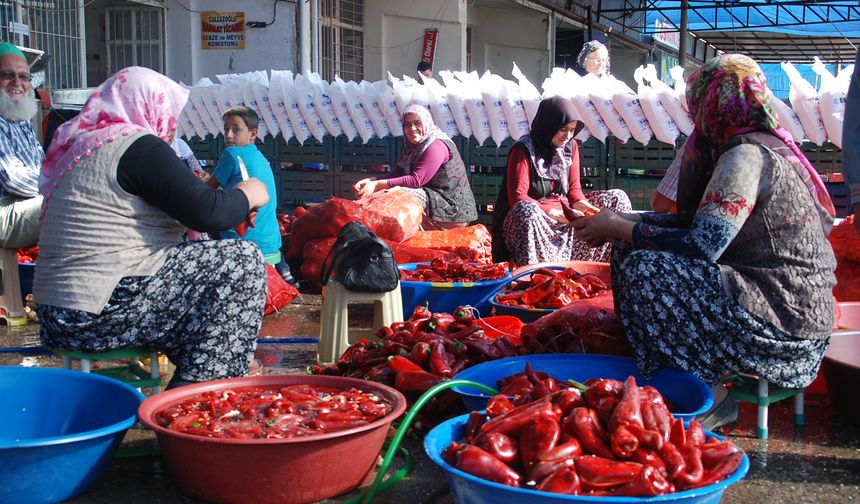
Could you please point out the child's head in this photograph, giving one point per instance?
(240, 126)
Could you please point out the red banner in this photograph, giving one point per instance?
(428, 49)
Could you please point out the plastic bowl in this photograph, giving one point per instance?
(600, 269)
(689, 394)
(446, 296)
(467, 488)
(58, 431)
(289, 471)
(841, 365)
(849, 315)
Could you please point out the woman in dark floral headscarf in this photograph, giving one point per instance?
(740, 279)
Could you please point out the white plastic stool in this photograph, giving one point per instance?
(11, 304)
(334, 324)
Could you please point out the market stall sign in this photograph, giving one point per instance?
(222, 30)
(428, 47)
(666, 34)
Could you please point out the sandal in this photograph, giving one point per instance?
(255, 368)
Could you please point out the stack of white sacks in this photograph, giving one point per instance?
(303, 106)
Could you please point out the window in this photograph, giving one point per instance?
(55, 27)
(342, 44)
(134, 37)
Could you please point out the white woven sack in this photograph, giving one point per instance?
(529, 94)
(661, 122)
(515, 113)
(367, 95)
(832, 101)
(600, 95)
(677, 73)
(787, 118)
(574, 90)
(805, 101)
(456, 102)
(301, 130)
(669, 99)
(358, 113)
(387, 102)
(626, 102)
(491, 93)
(439, 108)
(341, 109)
(276, 103)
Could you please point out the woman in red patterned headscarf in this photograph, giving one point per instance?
(741, 278)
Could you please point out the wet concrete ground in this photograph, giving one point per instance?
(817, 463)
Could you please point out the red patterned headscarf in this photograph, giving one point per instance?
(728, 97)
(132, 100)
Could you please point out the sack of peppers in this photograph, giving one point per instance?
(414, 355)
(603, 438)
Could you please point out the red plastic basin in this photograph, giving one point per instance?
(291, 471)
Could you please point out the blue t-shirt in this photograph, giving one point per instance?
(266, 233)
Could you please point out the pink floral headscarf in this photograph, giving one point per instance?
(132, 100)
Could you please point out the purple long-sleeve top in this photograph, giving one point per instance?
(425, 168)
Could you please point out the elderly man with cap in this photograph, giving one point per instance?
(20, 152)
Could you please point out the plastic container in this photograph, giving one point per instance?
(58, 431)
(841, 364)
(447, 296)
(287, 471)
(600, 269)
(466, 488)
(689, 395)
(849, 316)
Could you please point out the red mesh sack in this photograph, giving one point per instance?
(395, 214)
(472, 242)
(278, 292)
(314, 255)
(587, 326)
(405, 254)
(321, 221)
(847, 280)
(845, 240)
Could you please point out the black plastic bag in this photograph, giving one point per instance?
(361, 261)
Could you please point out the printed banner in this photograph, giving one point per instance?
(222, 30)
(428, 50)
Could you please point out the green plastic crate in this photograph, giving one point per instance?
(486, 188)
(841, 197)
(827, 158)
(206, 150)
(296, 187)
(489, 154)
(291, 152)
(639, 189)
(633, 158)
(343, 182)
(376, 151)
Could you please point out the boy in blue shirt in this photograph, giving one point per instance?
(240, 132)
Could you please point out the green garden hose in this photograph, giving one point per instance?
(394, 446)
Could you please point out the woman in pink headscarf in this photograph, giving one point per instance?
(431, 168)
(113, 269)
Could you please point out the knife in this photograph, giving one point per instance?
(242, 168)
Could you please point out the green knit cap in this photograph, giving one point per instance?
(7, 48)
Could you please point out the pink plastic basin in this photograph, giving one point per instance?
(849, 317)
(291, 471)
(842, 363)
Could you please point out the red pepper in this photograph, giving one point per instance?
(583, 424)
(538, 437)
(400, 364)
(512, 422)
(473, 425)
(695, 434)
(627, 411)
(603, 395)
(534, 295)
(499, 404)
(714, 452)
(519, 386)
(564, 481)
(723, 469)
(478, 462)
(571, 448)
(464, 316)
(648, 482)
(415, 381)
(500, 446)
(420, 314)
(545, 468)
(420, 352)
(599, 472)
(678, 435)
(566, 400)
(673, 459)
(384, 332)
(647, 438)
(440, 362)
(545, 388)
(657, 418)
(622, 442)
(439, 322)
(649, 458)
(692, 475)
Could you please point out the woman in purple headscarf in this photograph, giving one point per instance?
(431, 168)
(741, 279)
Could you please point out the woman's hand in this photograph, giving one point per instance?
(585, 207)
(368, 186)
(255, 191)
(557, 215)
(603, 227)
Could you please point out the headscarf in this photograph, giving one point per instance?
(728, 97)
(588, 48)
(411, 152)
(550, 161)
(132, 100)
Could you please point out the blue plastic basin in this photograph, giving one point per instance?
(58, 431)
(446, 296)
(468, 489)
(689, 394)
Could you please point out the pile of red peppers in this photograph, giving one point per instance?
(414, 355)
(455, 269)
(551, 289)
(615, 439)
(28, 255)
